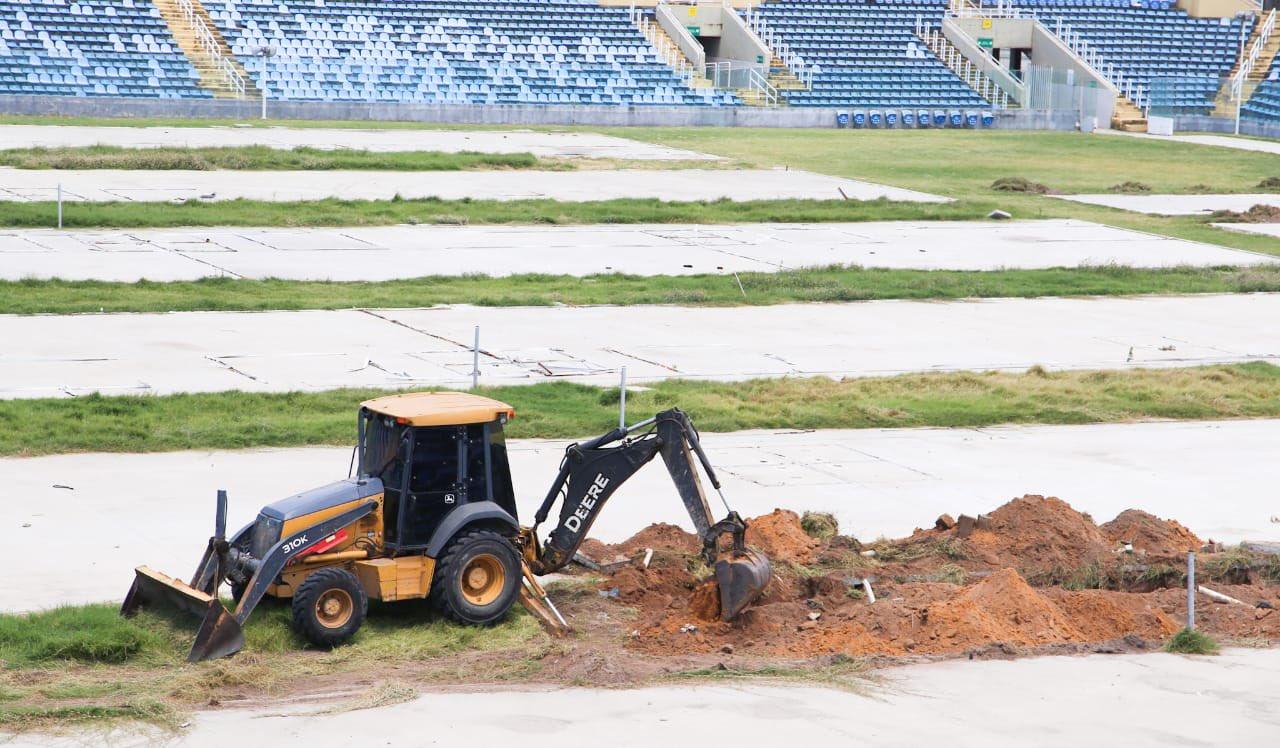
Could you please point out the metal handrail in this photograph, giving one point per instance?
(803, 71)
(208, 43)
(659, 40)
(1248, 62)
(1133, 90)
(759, 82)
(973, 76)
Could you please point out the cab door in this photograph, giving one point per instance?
(434, 483)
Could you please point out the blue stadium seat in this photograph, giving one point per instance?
(91, 48)
(453, 51)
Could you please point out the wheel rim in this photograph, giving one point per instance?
(334, 608)
(483, 579)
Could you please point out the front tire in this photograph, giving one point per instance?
(329, 607)
(477, 578)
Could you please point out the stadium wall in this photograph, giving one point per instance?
(476, 114)
(1204, 123)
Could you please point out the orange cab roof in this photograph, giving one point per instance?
(439, 408)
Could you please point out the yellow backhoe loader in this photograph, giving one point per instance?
(430, 512)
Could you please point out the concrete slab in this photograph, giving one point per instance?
(1176, 205)
(1055, 702)
(1220, 141)
(876, 481)
(315, 350)
(109, 185)
(542, 144)
(390, 252)
(1264, 229)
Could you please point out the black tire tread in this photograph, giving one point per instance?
(446, 569)
(303, 605)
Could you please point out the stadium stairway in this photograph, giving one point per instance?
(1223, 104)
(199, 39)
(670, 52)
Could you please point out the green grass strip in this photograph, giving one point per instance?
(261, 158)
(234, 420)
(818, 285)
(332, 212)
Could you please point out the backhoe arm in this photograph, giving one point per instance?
(591, 471)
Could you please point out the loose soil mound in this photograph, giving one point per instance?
(1035, 534)
(1001, 608)
(995, 591)
(1151, 536)
(781, 536)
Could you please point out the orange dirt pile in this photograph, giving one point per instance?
(936, 592)
(781, 537)
(1039, 534)
(1000, 608)
(1150, 535)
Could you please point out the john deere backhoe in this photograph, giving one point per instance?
(431, 513)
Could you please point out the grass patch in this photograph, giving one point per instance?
(90, 633)
(1188, 641)
(334, 212)
(236, 420)
(832, 284)
(143, 676)
(820, 525)
(262, 158)
(841, 672)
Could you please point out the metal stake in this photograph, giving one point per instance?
(1191, 591)
(622, 400)
(475, 360)
(59, 204)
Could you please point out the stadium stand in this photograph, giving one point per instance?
(1265, 102)
(867, 53)
(452, 51)
(91, 48)
(1151, 39)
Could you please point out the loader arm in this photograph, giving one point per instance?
(590, 473)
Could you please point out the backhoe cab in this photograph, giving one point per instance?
(431, 512)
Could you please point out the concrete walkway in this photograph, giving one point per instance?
(1140, 700)
(1176, 205)
(111, 185)
(67, 355)
(1263, 229)
(542, 144)
(115, 511)
(1220, 141)
(390, 252)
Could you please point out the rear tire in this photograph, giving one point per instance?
(477, 578)
(329, 607)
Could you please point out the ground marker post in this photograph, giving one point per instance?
(59, 204)
(1191, 590)
(475, 360)
(622, 400)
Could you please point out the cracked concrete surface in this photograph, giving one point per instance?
(392, 252)
(71, 355)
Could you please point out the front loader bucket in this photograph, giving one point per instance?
(742, 577)
(219, 634)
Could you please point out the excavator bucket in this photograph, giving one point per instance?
(741, 576)
(219, 634)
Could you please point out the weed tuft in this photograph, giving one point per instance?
(1188, 641)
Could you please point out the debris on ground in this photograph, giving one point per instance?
(1030, 575)
(1019, 184)
(1257, 214)
(1131, 188)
